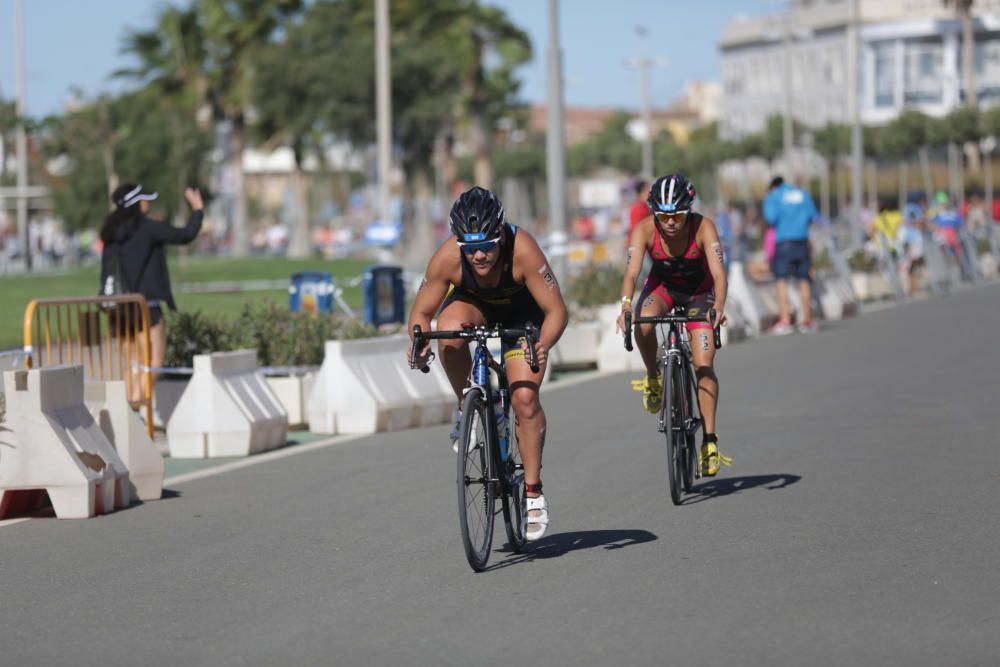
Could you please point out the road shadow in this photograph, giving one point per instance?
(560, 544)
(727, 486)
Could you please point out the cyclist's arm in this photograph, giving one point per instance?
(634, 256)
(542, 283)
(708, 241)
(434, 288)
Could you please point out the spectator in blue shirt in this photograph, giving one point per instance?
(790, 210)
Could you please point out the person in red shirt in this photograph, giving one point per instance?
(639, 209)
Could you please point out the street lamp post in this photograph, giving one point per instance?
(383, 106)
(555, 148)
(854, 110)
(22, 141)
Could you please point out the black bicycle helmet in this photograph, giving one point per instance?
(477, 215)
(671, 194)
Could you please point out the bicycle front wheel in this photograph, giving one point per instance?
(673, 427)
(475, 486)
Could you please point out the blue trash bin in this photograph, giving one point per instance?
(384, 295)
(311, 292)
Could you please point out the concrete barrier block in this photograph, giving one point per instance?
(611, 353)
(51, 442)
(167, 394)
(365, 386)
(293, 391)
(227, 409)
(122, 426)
(757, 302)
(578, 346)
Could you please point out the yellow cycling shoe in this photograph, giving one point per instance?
(712, 459)
(652, 392)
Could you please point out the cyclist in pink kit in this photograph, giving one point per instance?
(687, 270)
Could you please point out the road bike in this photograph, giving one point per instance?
(489, 464)
(680, 418)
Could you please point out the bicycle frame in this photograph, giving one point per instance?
(482, 363)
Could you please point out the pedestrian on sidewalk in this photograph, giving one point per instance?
(790, 210)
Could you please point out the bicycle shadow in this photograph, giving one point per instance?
(560, 544)
(727, 486)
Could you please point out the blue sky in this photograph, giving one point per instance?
(75, 44)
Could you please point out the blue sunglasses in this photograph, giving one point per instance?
(473, 248)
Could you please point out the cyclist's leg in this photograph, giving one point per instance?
(529, 417)
(703, 356)
(654, 301)
(530, 424)
(454, 354)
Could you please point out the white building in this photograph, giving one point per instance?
(910, 59)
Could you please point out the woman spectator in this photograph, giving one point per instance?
(134, 254)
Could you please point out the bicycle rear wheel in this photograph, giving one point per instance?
(673, 427)
(514, 510)
(475, 489)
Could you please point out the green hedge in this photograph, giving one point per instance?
(280, 338)
(595, 285)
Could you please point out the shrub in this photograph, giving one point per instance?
(861, 262)
(280, 338)
(596, 285)
(191, 333)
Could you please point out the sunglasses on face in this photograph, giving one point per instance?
(473, 248)
(679, 216)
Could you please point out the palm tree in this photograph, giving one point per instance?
(206, 51)
(964, 10)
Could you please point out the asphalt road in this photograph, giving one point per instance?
(858, 525)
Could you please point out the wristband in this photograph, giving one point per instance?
(626, 301)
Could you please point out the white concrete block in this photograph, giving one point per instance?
(758, 303)
(578, 346)
(365, 386)
(227, 409)
(611, 353)
(167, 394)
(50, 441)
(108, 403)
(293, 393)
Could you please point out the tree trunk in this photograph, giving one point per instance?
(108, 158)
(988, 187)
(925, 171)
(954, 172)
(904, 184)
(838, 177)
(298, 242)
(824, 190)
(482, 169)
(872, 186)
(241, 235)
(423, 240)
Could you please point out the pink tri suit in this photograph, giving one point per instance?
(681, 281)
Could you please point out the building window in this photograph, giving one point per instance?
(885, 74)
(922, 67)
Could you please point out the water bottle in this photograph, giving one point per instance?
(500, 410)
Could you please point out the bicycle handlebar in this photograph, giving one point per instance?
(670, 319)
(529, 333)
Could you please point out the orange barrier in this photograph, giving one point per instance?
(107, 335)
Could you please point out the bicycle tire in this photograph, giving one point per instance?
(671, 423)
(690, 448)
(476, 492)
(514, 509)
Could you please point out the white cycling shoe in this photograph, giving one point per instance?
(539, 523)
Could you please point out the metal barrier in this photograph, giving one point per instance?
(107, 335)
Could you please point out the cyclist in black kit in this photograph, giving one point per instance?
(495, 273)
